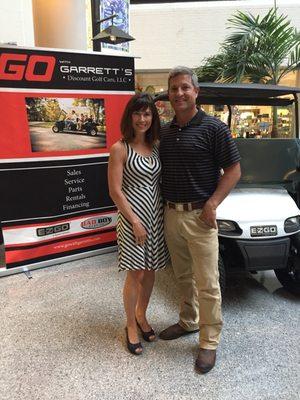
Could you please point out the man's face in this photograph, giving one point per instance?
(182, 93)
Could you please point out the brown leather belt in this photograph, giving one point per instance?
(185, 206)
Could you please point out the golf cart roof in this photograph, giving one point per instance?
(242, 93)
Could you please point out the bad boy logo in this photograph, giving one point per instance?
(94, 223)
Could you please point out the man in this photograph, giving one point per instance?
(194, 149)
(71, 120)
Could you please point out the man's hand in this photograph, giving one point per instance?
(209, 215)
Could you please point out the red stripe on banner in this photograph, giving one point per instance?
(57, 248)
(58, 221)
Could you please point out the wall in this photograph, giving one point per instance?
(185, 33)
(44, 23)
(60, 23)
(16, 22)
(166, 34)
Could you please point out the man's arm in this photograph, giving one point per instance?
(226, 183)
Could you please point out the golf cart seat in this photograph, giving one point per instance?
(270, 161)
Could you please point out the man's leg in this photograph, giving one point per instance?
(182, 267)
(203, 247)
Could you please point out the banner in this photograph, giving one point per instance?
(60, 113)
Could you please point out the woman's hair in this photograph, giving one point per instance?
(140, 102)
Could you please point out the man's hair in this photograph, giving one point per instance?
(180, 70)
(140, 102)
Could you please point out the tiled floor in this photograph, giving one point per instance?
(62, 337)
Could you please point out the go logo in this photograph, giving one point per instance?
(26, 67)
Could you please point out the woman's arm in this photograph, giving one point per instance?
(115, 177)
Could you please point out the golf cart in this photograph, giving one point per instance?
(86, 126)
(259, 221)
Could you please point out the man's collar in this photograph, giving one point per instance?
(196, 120)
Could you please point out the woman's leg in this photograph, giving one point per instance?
(130, 298)
(146, 283)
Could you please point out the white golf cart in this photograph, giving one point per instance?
(259, 222)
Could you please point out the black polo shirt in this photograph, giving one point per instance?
(192, 157)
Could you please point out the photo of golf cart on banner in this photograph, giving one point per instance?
(66, 123)
(77, 121)
(259, 221)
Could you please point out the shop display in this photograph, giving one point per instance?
(255, 121)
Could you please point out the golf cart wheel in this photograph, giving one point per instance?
(55, 129)
(289, 278)
(222, 275)
(93, 132)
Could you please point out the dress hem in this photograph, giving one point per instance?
(141, 269)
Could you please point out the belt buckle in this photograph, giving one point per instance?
(179, 207)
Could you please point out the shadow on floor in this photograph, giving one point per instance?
(238, 286)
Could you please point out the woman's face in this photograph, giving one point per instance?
(141, 121)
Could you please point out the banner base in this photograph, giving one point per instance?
(48, 263)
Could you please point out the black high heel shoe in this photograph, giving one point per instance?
(132, 347)
(147, 335)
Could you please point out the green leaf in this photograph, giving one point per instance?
(260, 49)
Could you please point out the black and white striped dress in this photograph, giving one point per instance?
(141, 187)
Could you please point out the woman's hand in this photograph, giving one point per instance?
(139, 232)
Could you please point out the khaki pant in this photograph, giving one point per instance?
(193, 248)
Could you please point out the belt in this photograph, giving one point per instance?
(185, 206)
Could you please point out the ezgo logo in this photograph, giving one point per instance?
(94, 223)
(33, 68)
(50, 230)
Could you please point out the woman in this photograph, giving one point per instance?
(80, 122)
(133, 177)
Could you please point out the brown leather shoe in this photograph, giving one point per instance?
(205, 361)
(174, 332)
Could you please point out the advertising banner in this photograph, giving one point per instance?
(60, 113)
